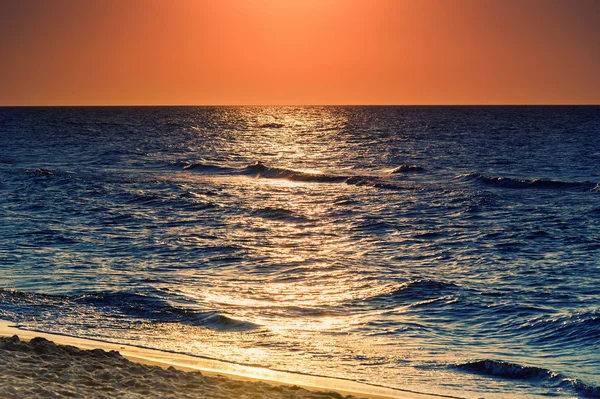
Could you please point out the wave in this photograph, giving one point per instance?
(145, 199)
(404, 168)
(186, 200)
(40, 172)
(197, 201)
(97, 123)
(496, 368)
(506, 370)
(423, 288)
(149, 307)
(564, 329)
(375, 183)
(124, 152)
(279, 214)
(416, 292)
(260, 170)
(207, 167)
(509, 182)
(272, 125)
(429, 235)
(176, 164)
(117, 304)
(588, 391)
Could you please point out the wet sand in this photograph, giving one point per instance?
(41, 365)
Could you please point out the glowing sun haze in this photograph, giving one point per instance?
(193, 52)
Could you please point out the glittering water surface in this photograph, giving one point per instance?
(441, 249)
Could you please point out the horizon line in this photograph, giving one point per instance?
(307, 105)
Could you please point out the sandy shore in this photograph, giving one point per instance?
(41, 369)
(33, 366)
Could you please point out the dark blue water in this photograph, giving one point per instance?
(443, 249)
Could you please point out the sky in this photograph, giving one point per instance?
(299, 52)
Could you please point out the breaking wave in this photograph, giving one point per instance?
(496, 368)
(506, 370)
(260, 170)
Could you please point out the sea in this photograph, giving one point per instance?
(452, 250)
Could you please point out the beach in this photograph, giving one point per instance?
(33, 366)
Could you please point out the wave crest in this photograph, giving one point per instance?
(259, 169)
(510, 182)
(262, 170)
(404, 168)
(496, 368)
(507, 370)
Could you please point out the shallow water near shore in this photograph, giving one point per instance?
(440, 249)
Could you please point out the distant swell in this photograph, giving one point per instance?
(509, 182)
(260, 170)
(515, 371)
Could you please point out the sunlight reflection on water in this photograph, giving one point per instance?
(160, 228)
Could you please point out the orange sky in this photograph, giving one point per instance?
(169, 52)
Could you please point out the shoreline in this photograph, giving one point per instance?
(214, 368)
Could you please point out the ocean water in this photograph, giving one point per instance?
(451, 250)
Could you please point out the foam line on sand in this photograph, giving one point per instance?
(263, 382)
